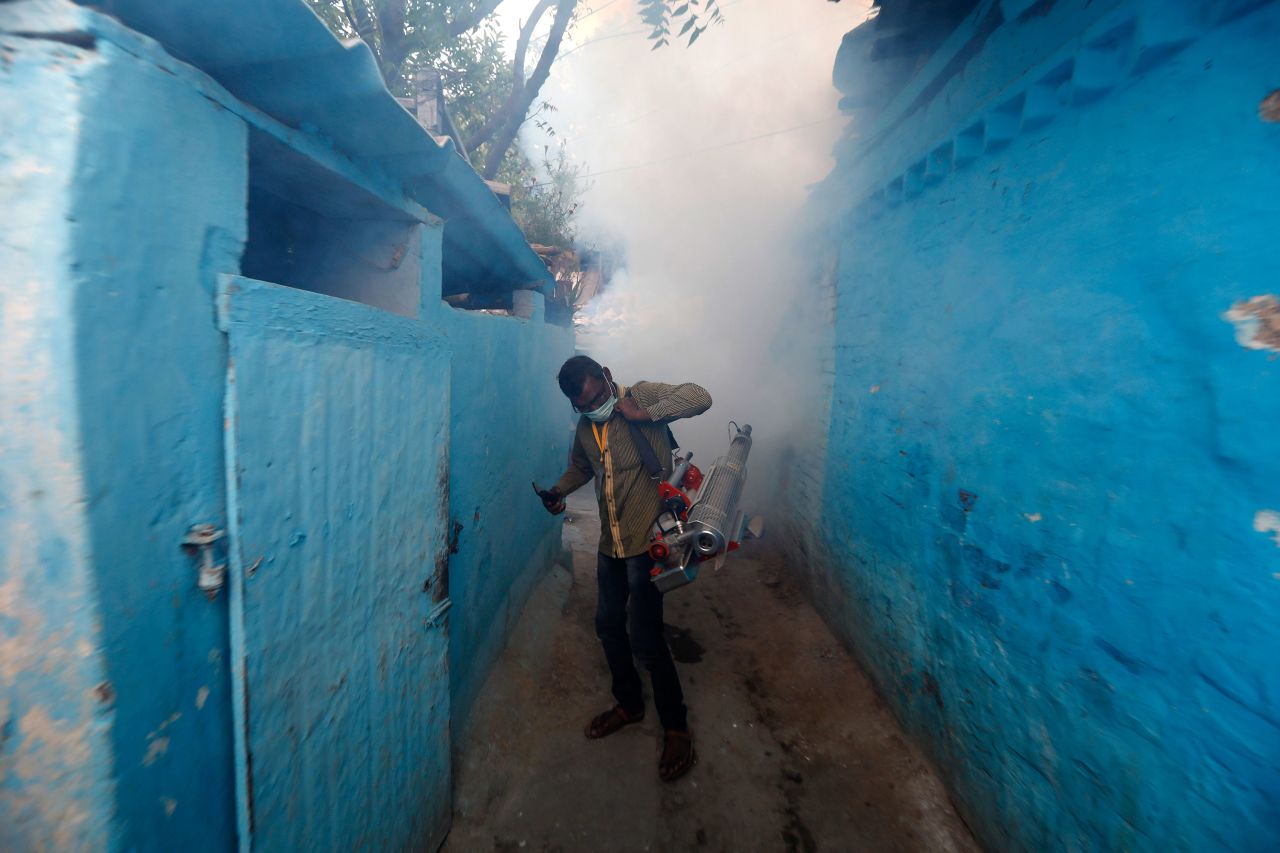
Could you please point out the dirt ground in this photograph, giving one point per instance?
(796, 751)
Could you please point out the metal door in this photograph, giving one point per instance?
(336, 443)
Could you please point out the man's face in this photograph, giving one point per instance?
(595, 391)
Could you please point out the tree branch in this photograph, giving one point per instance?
(496, 120)
(482, 10)
(362, 22)
(518, 107)
(395, 46)
(522, 43)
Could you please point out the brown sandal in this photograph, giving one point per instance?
(603, 725)
(678, 755)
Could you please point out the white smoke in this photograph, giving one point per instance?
(702, 157)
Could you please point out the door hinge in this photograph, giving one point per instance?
(211, 575)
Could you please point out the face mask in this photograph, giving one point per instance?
(605, 411)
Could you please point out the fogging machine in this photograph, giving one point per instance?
(690, 531)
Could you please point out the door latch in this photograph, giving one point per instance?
(201, 538)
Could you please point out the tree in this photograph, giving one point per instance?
(546, 209)
(501, 128)
(663, 15)
(463, 44)
(490, 96)
(459, 39)
(409, 35)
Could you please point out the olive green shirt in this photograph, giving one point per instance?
(629, 501)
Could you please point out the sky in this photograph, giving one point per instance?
(701, 158)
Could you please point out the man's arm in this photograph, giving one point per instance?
(662, 402)
(578, 473)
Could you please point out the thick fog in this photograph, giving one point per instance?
(701, 158)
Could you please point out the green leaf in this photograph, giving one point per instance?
(695, 35)
(680, 10)
(687, 26)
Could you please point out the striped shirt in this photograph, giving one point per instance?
(628, 498)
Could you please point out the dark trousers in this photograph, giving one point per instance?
(625, 589)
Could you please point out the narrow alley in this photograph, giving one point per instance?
(300, 297)
(777, 769)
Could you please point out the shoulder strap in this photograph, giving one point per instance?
(648, 458)
(639, 436)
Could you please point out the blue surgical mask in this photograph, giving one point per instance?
(605, 411)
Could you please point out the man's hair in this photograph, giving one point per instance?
(574, 373)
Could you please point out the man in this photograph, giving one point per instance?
(604, 448)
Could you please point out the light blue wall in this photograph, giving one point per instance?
(128, 173)
(338, 419)
(1048, 453)
(157, 218)
(510, 426)
(311, 229)
(55, 718)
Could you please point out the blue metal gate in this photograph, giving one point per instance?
(337, 458)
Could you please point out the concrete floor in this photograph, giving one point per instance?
(796, 750)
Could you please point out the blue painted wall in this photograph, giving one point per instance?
(55, 758)
(130, 174)
(1050, 459)
(338, 420)
(510, 426)
(149, 363)
(363, 260)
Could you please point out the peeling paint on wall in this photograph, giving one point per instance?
(46, 749)
(54, 759)
(1268, 521)
(157, 748)
(1269, 109)
(1257, 322)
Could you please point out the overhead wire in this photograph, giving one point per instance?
(752, 54)
(598, 9)
(645, 31)
(588, 15)
(740, 58)
(705, 149)
(579, 47)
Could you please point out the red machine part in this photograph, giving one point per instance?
(677, 503)
(692, 478)
(667, 491)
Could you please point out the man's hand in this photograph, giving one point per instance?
(552, 499)
(631, 410)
